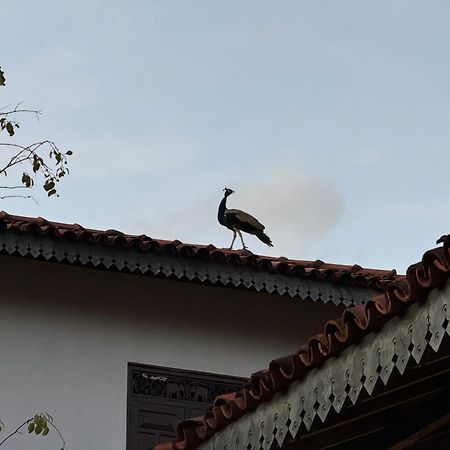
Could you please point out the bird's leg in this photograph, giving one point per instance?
(234, 238)
(244, 247)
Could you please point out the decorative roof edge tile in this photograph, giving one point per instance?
(355, 323)
(380, 357)
(113, 250)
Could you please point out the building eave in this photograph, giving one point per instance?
(396, 327)
(55, 242)
(397, 348)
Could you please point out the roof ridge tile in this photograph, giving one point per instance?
(337, 273)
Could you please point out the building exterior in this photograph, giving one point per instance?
(376, 378)
(120, 337)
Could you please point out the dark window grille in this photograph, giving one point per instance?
(160, 397)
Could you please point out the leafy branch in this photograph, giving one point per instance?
(40, 424)
(33, 156)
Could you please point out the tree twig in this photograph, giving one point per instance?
(3, 197)
(16, 109)
(53, 168)
(16, 431)
(59, 432)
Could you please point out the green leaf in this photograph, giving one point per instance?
(26, 180)
(49, 185)
(30, 427)
(45, 431)
(52, 192)
(10, 128)
(69, 152)
(2, 77)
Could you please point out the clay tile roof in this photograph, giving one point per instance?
(342, 274)
(355, 322)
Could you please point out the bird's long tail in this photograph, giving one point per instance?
(263, 237)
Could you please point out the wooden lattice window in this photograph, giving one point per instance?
(160, 397)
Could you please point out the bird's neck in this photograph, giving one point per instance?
(221, 211)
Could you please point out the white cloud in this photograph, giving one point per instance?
(297, 211)
(295, 208)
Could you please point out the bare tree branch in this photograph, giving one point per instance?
(3, 197)
(13, 111)
(16, 109)
(16, 431)
(59, 432)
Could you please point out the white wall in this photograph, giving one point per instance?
(67, 334)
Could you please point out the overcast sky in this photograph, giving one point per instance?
(330, 119)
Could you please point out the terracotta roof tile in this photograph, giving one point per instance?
(432, 272)
(342, 274)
